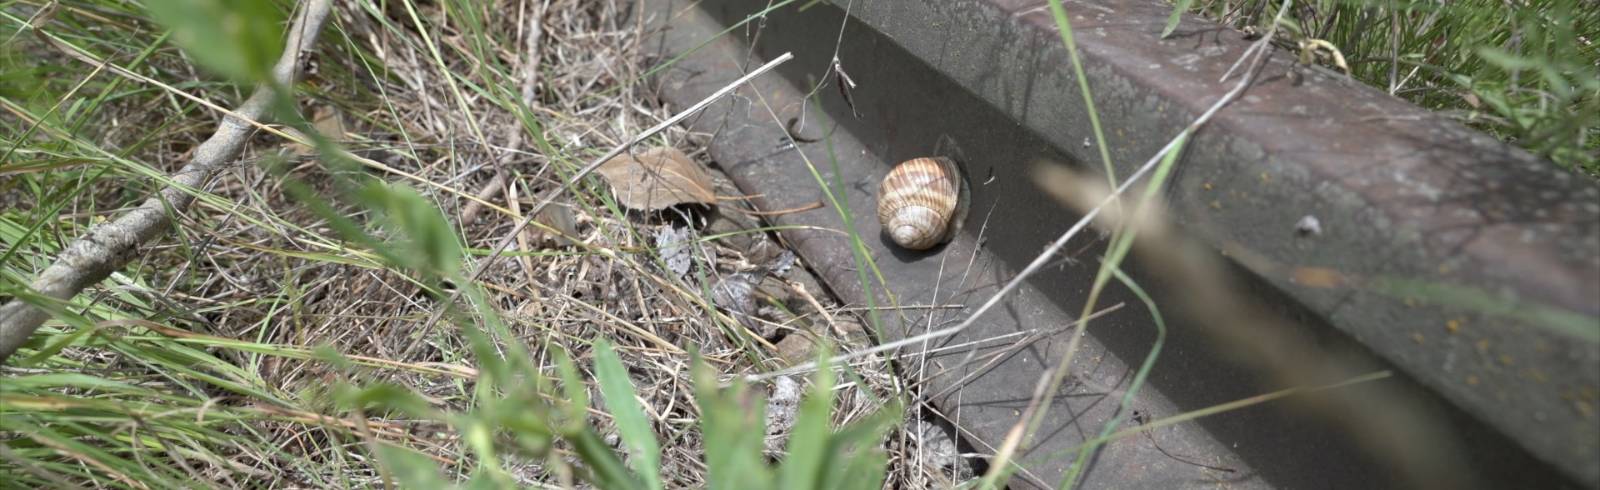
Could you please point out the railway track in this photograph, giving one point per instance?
(1402, 201)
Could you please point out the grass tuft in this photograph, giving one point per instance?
(1526, 72)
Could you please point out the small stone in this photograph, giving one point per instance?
(796, 348)
(734, 294)
(673, 244)
(782, 406)
(1308, 226)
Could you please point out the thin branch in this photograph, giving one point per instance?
(109, 246)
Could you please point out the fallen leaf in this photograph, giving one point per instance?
(328, 121)
(560, 218)
(656, 179)
(673, 243)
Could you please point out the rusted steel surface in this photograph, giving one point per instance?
(1399, 194)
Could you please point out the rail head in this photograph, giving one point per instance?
(1471, 264)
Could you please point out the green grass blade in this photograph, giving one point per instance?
(411, 469)
(1071, 479)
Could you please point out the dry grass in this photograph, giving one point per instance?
(496, 101)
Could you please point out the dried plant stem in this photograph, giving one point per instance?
(109, 246)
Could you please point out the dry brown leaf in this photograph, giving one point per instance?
(656, 179)
(328, 121)
(561, 219)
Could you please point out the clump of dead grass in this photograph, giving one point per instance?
(480, 106)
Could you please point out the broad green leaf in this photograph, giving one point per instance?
(632, 425)
(608, 470)
(1507, 61)
(239, 39)
(69, 380)
(733, 433)
(1177, 15)
(806, 462)
(429, 242)
(1578, 326)
(387, 396)
(575, 428)
(857, 451)
(411, 469)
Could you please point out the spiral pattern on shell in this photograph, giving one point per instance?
(922, 202)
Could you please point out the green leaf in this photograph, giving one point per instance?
(862, 471)
(1177, 15)
(429, 242)
(572, 384)
(607, 467)
(857, 450)
(239, 39)
(632, 425)
(386, 396)
(806, 462)
(410, 468)
(731, 427)
(1505, 60)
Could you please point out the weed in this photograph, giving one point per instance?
(1527, 72)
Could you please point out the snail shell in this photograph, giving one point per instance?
(922, 202)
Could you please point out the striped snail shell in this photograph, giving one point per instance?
(922, 202)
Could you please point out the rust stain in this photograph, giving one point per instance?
(1317, 277)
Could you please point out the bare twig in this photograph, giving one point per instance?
(109, 246)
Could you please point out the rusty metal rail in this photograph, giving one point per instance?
(1452, 252)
